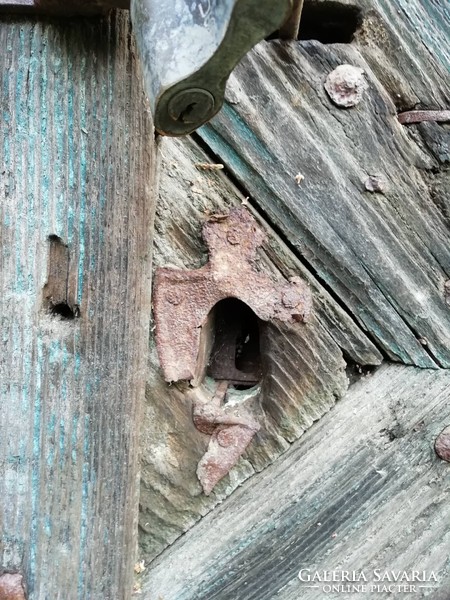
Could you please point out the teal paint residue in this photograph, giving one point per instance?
(66, 128)
(62, 437)
(48, 526)
(84, 505)
(45, 143)
(77, 359)
(20, 141)
(84, 111)
(54, 352)
(51, 426)
(36, 470)
(243, 132)
(74, 438)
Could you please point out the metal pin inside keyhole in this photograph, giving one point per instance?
(236, 350)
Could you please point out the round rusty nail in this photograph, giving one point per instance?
(442, 444)
(233, 237)
(225, 438)
(376, 184)
(12, 587)
(291, 298)
(173, 297)
(346, 85)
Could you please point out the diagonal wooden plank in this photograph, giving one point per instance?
(362, 490)
(305, 365)
(386, 256)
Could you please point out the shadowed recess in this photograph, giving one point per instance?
(329, 22)
(235, 354)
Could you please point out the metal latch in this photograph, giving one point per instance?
(219, 354)
(188, 48)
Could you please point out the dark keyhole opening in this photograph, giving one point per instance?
(236, 353)
(329, 22)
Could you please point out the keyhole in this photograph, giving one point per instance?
(236, 353)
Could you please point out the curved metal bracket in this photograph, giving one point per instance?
(189, 49)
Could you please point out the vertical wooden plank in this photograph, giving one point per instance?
(77, 161)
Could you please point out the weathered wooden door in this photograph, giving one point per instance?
(355, 202)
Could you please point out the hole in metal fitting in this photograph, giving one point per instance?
(235, 354)
(329, 22)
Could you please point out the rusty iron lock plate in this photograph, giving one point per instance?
(183, 299)
(196, 342)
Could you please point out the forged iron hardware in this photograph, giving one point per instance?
(442, 444)
(184, 303)
(419, 116)
(186, 298)
(12, 587)
(188, 48)
(226, 415)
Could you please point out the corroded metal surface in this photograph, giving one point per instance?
(419, 116)
(442, 444)
(183, 303)
(346, 85)
(12, 587)
(184, 299)
(231, 425)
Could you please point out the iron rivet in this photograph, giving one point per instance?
(225, 438)
(12, 587)
(291, 298)
(233, 237)
(442, 444)
(174, 297)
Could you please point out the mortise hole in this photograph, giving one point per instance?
(63, 310)
(57, 299)
(235, 354)
(329, 22)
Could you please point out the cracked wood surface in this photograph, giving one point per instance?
(377, 263)
(77, 165)
(346, 496)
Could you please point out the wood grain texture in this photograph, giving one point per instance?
(385, 256)
(305, 363)
(377, 263)
(77, 161)
(345, 497)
